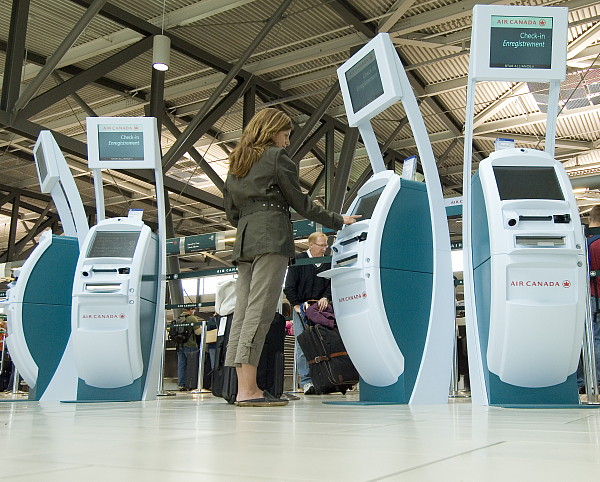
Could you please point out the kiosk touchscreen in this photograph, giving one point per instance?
(391, 274)
(529, 276)
(114, 305)
(39, 310)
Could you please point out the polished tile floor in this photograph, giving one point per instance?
(203, 438)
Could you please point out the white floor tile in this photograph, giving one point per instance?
(203, 437)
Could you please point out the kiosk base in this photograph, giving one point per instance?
(546, 406)
(501, 393)
(395, 393)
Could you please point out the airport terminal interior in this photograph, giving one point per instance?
(465, 134)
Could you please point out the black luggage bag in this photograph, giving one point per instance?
(270, 371)
(329, 365)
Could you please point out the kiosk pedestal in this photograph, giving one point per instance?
(529, 278)
(114, 308)
(382, 287)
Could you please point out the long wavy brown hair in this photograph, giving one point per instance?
(257, 136)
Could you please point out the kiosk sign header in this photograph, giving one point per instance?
(519, 43)
(122, 143)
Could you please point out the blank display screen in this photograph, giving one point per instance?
(114, 244)
(366, 204)
(41, 162)
(516, 182)
(364, 82)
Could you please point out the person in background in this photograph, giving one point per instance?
(261, 186)
(301, 285)
(190, 346)
(594, 261)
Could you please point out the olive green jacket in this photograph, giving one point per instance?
(258, 205)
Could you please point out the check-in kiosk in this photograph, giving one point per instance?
(529, 277)
(525, 267)
(39, 304)
(119, 288)
(391, 274)
(114, 306)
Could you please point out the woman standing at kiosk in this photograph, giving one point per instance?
(261, 186)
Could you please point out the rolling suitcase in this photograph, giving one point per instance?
(329, 365)
(270, 371)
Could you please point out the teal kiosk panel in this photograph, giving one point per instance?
(40, 318)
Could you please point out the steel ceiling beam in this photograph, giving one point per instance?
(394, 13)
(195, 12)
(13, 64)
(312, 121)
(12, 231)
(80, 102)
(187, 138)
(342, 174)
(86, 77)
(196, 156)
(347, 12)
(202, 124)
(61, 50)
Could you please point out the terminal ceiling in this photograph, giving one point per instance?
(230, 58)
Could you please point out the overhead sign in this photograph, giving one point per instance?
(518, 44)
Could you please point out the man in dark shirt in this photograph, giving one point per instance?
(301, 285)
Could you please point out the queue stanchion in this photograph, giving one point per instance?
(161, 381)
(3, 356)
(590, 377)
(201, 360)
(454, 376)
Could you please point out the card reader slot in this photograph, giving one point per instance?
(103, 288)
(348, 260)
(104, 270)
(535, 218)
(540, 240)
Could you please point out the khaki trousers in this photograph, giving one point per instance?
(258, 290)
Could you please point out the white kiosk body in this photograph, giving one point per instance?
(114, 305)
(392, 284)
(39, 304)
(525, 268)
(527, 246)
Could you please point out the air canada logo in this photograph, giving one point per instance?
(357, 296)
(542, 22)
(540, 284)
(102, 316)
